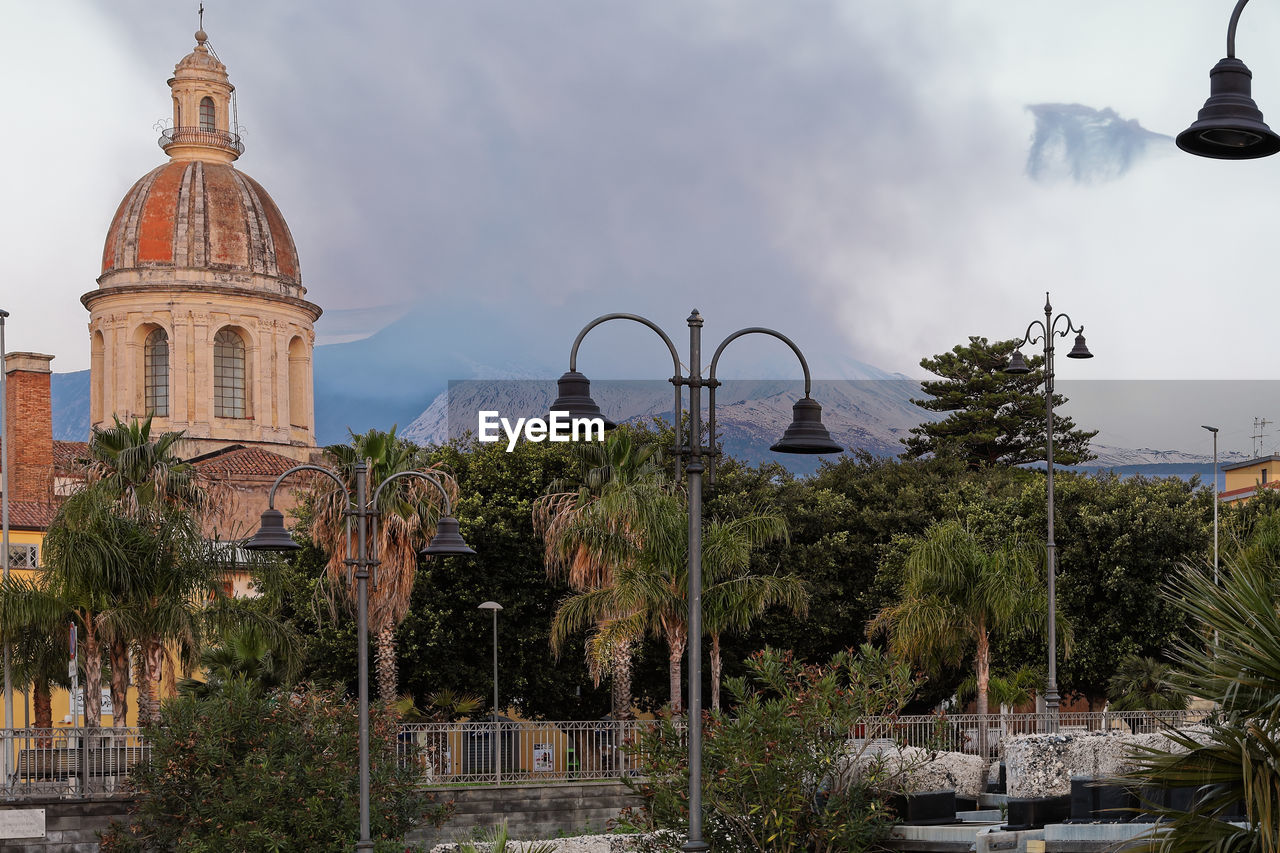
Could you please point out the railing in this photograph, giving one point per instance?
(194, 136)
(75, 762)
(520, 752)
(69, 762)
(961, 732)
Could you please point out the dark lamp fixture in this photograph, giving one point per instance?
(1080, 350)
(447, 541)
(806, 433)
(272, 535)
(1017, 364)
(575, 398)
(1230, 126)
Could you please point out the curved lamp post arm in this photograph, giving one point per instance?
(1231, 28)
(421, 475)
(1071, 327)
(1028, 339)
(346, 494)
(677, 378)
(713, 383)
(328, 472)
(373, 510)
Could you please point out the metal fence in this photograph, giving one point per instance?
(75, 762)
(508, 752)
(963, 732)
(71, 762)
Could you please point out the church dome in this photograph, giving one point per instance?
(192, 214)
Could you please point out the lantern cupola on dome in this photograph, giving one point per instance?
(204, 109)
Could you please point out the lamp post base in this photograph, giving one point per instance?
(695, 847)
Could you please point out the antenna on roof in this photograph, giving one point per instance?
(1259, 434)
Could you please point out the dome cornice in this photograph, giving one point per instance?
(178, 290)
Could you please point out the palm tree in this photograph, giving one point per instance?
(407, 511)
(1143, 684)
(594, 525)
(244, 655)
(153, 503)
(37, 635)
(1233, 764)
(956, 592)
(733, 596)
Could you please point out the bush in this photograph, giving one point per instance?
(778, 775)
(247, 770)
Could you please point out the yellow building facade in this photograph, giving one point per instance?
(1242, 480)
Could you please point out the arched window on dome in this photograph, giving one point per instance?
(228, 375)
(155, 376)
(206, 115)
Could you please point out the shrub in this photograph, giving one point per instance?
(247, 770)
(779, 774)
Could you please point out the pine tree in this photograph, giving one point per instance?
(993, 417)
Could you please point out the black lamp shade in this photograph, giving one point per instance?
(1230, 125)
(272, 535)
(575, 398)
(806, 433)
(1080, 350)
(1017, 364)
(447, 541)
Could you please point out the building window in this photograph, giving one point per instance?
(1264, 476)
(155, 383)
(228, 375)
(206, 115)
(24, 556)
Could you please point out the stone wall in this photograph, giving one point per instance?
(531, 811)
(1042, 765)
(71, 826)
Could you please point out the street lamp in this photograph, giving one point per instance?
(1048, 328)
(1214, 430)
(495, 607)
(1230, 126)
(4, 532)
(272, 536)
(806, 434)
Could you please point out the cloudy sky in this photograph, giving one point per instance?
(878, 180)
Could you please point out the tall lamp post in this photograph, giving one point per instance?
(1038, 332)
(806, 434)
(1214, 430)
(1230, 126)
(495, 607)
(272, 536)
(4, 532)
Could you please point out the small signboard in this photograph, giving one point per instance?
(22, 823)
(544, 760)
(104, 706)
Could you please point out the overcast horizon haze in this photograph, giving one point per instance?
(876, 181)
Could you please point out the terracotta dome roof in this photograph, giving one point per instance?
(201, 215)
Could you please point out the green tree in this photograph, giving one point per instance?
(1143, 684)
(992, 417)
(956, 593)
(247, 770)
(407, 512)
(778, 772)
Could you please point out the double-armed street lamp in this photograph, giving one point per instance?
(272, 536)
(1045, 331)
(806, 434)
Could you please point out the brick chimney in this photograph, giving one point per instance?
(29, 426)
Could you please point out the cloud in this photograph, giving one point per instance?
(1073, 142)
